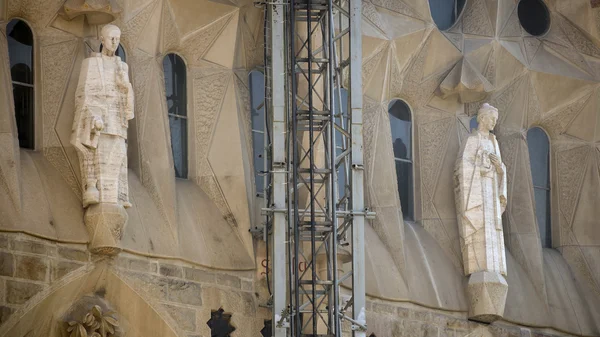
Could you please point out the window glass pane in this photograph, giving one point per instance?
(257, 98)
(178, 127)
(23, 98)
(258, 141)
(400, 122)
(20, 51)
(445, 12)
(539, 151)
(473, 125)
(401, 125)
(405, 187)
(542, 213)
(175, 90)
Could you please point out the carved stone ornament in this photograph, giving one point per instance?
(94, 324)
(97, 12)
(480, 187)
(103, 108)
(465, 81)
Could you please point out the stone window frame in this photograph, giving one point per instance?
(551, 190)
(37, 94)
(414, 160)
(189, 159)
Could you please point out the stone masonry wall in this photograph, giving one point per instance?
(187, 293)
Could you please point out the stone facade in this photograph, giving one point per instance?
(187, 249)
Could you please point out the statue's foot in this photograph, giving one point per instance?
(91, 196)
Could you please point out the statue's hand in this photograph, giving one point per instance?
(98, 124)
(496, 161)
(503, 202)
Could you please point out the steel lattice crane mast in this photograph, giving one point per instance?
(315, 201)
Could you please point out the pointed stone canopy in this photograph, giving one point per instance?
(466, 81)
(97, 12)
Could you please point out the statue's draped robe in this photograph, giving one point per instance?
(479, 188)
(103, 92)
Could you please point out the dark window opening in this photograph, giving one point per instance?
(257, 110)
(20, 54)
(267, 330)
(539, 160)
(120, 52)
(342, 118)
(401, 125)
(534, 16)
(220, 324)
(445, 12)
(175, 89)
(473, 123)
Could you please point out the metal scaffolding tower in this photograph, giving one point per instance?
(315, 203)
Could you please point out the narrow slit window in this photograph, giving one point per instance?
(175, 89)
(401, 124)
(20, 54)
(539, 159)
(257, 102)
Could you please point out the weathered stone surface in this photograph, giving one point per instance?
(73, 254)
(31, 268)
(170, 270)
(185, 292)
(5, 313)
(229, 280)
(18, 292)
(6, 264)
(199, 275)
(62, 268)
(29, 247)
(186, 318)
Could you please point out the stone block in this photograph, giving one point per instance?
(139, 265)
(170, 270)
(229, 280)
(31, 267)
(5, 313)
(62, 268)
(152, 285)
(30, 247)
(247, 285)
(423, 316)
(199, 275)
(73, 254)
(403, 312)
(487, 296)
(185, 292)
(185, 318)
(7, 266)
(383, 308)
(18, 292)
(3, 241)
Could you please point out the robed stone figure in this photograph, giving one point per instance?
(103, 108)
(480, 186)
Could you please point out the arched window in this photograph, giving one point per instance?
(445, 12)
(175, 88)
(539, 159)
(119, 52)
(401, 124)
(20, 53)
(257, 103)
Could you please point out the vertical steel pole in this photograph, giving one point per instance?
(358, 202)
(279, 168)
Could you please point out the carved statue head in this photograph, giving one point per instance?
(110, 35)
(487, 116)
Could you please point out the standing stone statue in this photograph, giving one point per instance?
(103, 108)
(480, 187)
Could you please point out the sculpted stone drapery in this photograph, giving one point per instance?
(103, 108)
(480, 185)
